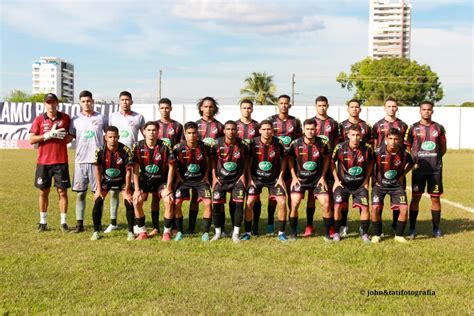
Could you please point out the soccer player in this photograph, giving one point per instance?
(309, 162)
(267, 168)
(229, 167)
(193, 165)
(153, 173)
(427, 140)
(352, 165)
(129, 124)
(113, 169)
(353, 108)
(247, 129)
(381, 130)
(392, 163)
(287, 128)
(87, 128)
(49, 131)
(328, 129)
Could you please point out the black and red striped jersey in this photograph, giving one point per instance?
(365, 129)
(153, 161)
(286, 130)
(426, 142)
(209, 131)
(389, 167)
(266, 160)
(352, 164)
(114, 164)
(328, 129)
(248, 131)
(171, 133)
(381, 129)
(230, 159)
(309, 159)
(192, 163)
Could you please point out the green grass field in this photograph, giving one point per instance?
(67, 273)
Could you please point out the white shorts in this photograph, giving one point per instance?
(84, 174)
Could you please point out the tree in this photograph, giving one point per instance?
(467, 104)
(259, 88)
(405, 80)
(18, 96)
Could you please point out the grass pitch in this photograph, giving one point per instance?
(67, 273)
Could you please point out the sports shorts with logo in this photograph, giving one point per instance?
(273, 191)
(152, 187)
(220, 191)
(360, 196)
(84, 174)
(434, 181)
(45, 174)
(317, 189)
(182, 191)
(398, 196)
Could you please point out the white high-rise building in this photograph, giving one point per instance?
(389, 28)
(52, 74)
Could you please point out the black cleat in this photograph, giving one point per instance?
(78, 229)
(42, 228)
(64, 228)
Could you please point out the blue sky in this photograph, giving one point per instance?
(210, 47)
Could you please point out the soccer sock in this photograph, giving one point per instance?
(413, 216)
(179, 224)
(282, 226)
(155, 219)
(222, 218)
(129, 212)
(218, 231)
(377, 228)
(232, 209)
(271, 214)
(396, 214)
(400, 228)
(248, 226)
(257, 211)
(113, 221)
(327, 224)
(207, 224)
(331, 221)
(63, 218)
(337, 226)
(43, 216)
(141, 224)
(239, 210)
(294, 225)
(236, 230)
(80, 205)
(310, 215)
(114, 205)
(436, 218)
(216, 215)
(97, 214)
(193, 214)
(364, 224)
(80, 223)
(344, 214)
(173, 223)
(167, 224)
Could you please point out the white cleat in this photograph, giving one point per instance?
(343, 231)
(110, 228)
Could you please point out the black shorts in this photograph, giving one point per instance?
(182, 191)
(360, 197)
(151, 187)
(398, 196)
(434, 180)
(273, 191)
(317, 190)
(45, 174)
(220, 192)
(106, 186)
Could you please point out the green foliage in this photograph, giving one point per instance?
(22, 96)
(467, 104)
(400, 78)
(259, 88)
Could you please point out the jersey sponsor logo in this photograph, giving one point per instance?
(123, 133)
(285, 139)
(355, 171)
(112, 172)
(209, 141)
(230, 166)
(428, 145)
(89, 134)
(166, 140)
(265, 165)
(324, 137)
(152, 168)
(194, 168)
(390, 174)
(309, 165)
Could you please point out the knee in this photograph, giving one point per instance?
(62, 193)
(81, 196)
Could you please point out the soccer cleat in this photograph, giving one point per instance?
(366, 239)
(110, 228)
(293, 237)
(179, 236)
(235, 238)
(64, 228)
(166, 236)
(245, 237)
(136, 230)
(255, 231)
(308, 232)
(376, 239)
(142, 236)
(327, 239)
(401, 239)
(42, 228)
(411, 234)
(96, 236)
(336, 237)
(205, 237)
(343, 231)
(331, 231)
(437, 233)
(224, 234)
(130, 236)
(216, 237)
(153, 233)
(282, 237)
(270, 229)
(361, 232)
(78, 229)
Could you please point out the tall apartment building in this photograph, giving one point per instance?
(389, 28)
(52, 74)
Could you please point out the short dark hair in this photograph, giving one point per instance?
(111, 128)
(246, 101)
(427, 102)
(231, 123)
(85, 94)
(214, 102)
(390, 98)
(190, 125)
(151, 123)
(394, 131)
(321, 98)
(309, 122)
(126, 94)
(284, 96)
(165, 101)
(355, 127)
(353, 100)
(264, 122)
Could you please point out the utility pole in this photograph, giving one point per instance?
(159, 84)
(293, 89)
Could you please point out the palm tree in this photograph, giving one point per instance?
(260, 89)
